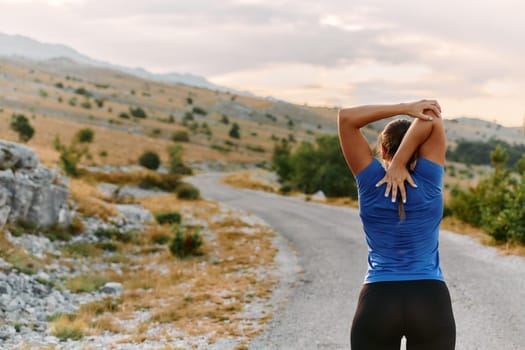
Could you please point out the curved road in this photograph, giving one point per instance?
(487, 290)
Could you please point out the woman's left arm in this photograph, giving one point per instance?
(420, 134)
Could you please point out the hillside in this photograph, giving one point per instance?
(60, 96)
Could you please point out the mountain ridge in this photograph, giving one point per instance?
(22, 46)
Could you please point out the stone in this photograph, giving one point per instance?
(135, 213)
(16, 156)
(28, 190)
(5, 288)
(319, 196)
(4, 265)
(7, 331)
(14, 304)
(112, 288)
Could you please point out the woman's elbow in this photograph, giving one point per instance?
(344, 117)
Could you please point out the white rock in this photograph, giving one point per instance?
(112, 288)
(7, 331)
(319, 196)
(135, 213)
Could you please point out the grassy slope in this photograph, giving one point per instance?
(30, 88)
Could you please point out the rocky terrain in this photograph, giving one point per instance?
(114, 283)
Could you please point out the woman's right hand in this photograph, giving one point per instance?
(421, 108)
(395, 178)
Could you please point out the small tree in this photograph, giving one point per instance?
(185, 244)
(180, 136)
(21, 125)
(175, 162)
(85, 135)
(199, 110)
(150, 160)
(70, 156)
(137, 112)
(235, 131)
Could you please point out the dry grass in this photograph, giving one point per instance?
(246, 180)
(90, 201)
(198, 295)
(17, 256)
(457, 226)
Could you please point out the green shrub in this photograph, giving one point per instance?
(285, 189)
(185, 244)
(175, 163)
(496, 204)
(188, 116)
(150, 160)
(137, 112)
(168, 218)
(85, 135)
(81, 249)
(20, 124)
(57, 233)
(65, 333)
(86, 283)
(235, 131)
(165, 182)
(83, 91)
(258, 149)
(199, 110)
(115, 234)
(187, 191)
(180, 136)
(86, 105)
(42, 93)
(107, 246)
(70, 156)
(315, 167)
(220, 148)
(160, 239)
(99, 102)
(105, 233)
(123, 115)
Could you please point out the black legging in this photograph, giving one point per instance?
(419, 310)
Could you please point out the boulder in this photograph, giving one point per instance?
(28, 190)
(16, 156)
(134, 213)
(112, 288)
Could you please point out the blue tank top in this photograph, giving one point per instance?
(402, 250)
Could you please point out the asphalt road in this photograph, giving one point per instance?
(487, 290)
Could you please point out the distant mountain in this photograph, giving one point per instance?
(21, 46)
(17, 45)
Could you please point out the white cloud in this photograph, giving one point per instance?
(318, 52)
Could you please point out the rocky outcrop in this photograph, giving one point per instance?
(28, 190)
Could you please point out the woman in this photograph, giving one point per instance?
(404, 293)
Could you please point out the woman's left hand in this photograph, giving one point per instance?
(395, 178)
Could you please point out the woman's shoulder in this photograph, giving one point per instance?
(370, 175)
(429, 170)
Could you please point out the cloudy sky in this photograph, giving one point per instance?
(468, 54)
